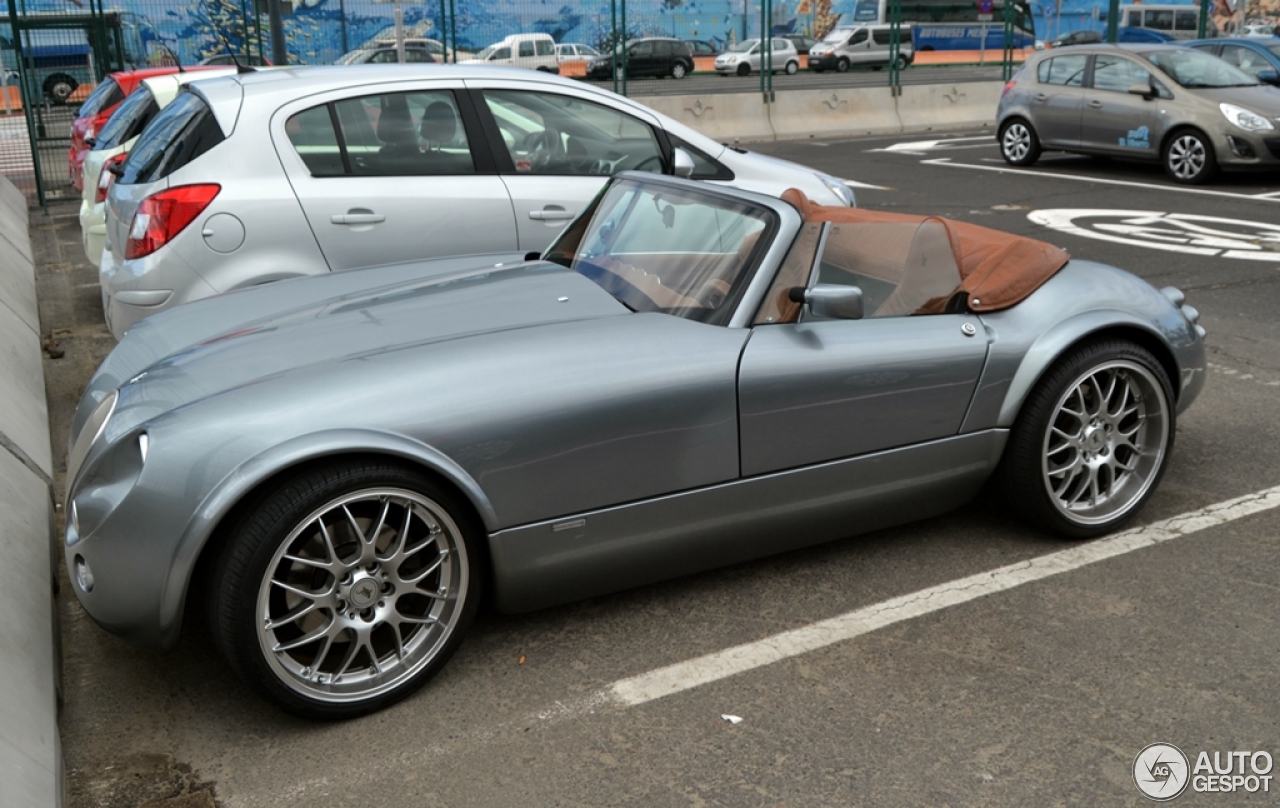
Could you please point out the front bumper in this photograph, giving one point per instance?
(1239, 150)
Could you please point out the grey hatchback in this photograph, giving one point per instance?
(1191, 111)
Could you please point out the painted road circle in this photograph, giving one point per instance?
(1186, 233)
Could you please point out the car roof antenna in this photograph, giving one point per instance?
(173, 56)
(226, 46)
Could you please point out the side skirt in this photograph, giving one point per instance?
(597, 552)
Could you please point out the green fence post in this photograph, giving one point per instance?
(1203, 23)
(623, 44)
(1113, 21)
(453, 31)
(1006, 59)
(895, 46)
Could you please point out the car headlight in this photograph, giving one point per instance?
(1245, 119)
(839, 188)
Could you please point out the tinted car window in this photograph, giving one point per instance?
(1247, 59)
(859, 36)
(545, 48)
(401, 134)
(500, 53)
(1067, 71)
(106, 95)
(547, 133)
(311, 133)
(640, 49)
(182, 131)
(1117, 74)
(129, 119)
(880, 37)
(1192, 68)
(526, 48)
(1188, 20)
(1160, 20)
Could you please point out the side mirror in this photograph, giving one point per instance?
(1145, 90)
(682, 164)
(829, 300)
(1269, 77)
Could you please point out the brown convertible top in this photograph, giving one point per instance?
(996, 269)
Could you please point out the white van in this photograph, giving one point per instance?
(855, 45)
(534, 51)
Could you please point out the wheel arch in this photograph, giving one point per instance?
(1051, 346)
(1183, 126)
(241, 488)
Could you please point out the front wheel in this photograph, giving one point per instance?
(1189, 158)
(345, 588)
(1092, 440)
(1019, 145)
(744, 70)
(842, 66)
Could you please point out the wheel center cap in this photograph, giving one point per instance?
(1094, 439)
(363, 592)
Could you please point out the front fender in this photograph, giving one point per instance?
(253, 472)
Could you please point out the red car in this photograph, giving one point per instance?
(97, 108)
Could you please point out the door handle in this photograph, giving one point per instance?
(551, 213)
(1041, 97)
(357, 218)
(1096, 104)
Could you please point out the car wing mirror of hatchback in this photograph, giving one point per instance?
(1265, 76)
(682, 163)
(1145, 90)
(829, 300)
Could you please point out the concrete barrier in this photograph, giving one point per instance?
(835, 112)
(30, 750)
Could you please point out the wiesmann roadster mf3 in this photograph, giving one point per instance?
(689, 377)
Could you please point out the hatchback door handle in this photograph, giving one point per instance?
(551, 213)
(1096, 104)
(357, 218)
(1041, 97)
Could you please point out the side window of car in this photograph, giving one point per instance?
(404, 134)
(417, 55)
(1161, 20)
(859, 36)
(902, 268)
(547, 133)
(545, 47)
(1188, 21)
(1245, 59)
(1067, 71)
(500, 54)
(641, 49)
(880, 37)
(311, 133)
(382, 57)
(1117, 74)
(780, 44)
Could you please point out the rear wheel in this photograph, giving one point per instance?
(792, 68)
(1019, 145)
(902, 62)
(1092, 440)
(678, 70)
(1189, 158)
(59, 87)
(344, 589)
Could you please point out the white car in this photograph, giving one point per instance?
(245, 179)
(531, 51)
(745, 57)
(113, 142)
(575, 52)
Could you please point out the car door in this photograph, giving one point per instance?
(386, 175)
(555, 148)
(858, 49)
(820, 390)
(640, 58)
(1057, 99)
(1113, 119)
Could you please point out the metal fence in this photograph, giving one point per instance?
(55, 52)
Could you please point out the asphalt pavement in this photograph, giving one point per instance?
(1041, 694)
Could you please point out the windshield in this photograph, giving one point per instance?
(1193, 69)
(836, 37)
(744, 46)
(128, 121)
(661, 249)
(1274, 49)
(486, 53)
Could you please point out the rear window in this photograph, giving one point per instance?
(182, 131)
(129, 120)
(105, 96)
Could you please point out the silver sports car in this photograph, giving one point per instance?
(691, 376)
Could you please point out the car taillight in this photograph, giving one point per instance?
(162, 216)
(105, 178)
(1007, 87)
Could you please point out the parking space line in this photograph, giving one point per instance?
(713, 667)
(856, 184)
(945, 162)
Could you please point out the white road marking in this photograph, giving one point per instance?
(1186, 233)
(921, 146)
(945, 162)
(856, 184)
(704, 670)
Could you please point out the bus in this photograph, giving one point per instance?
(951, 25)
(1179, 22)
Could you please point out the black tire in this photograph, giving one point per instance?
(792, 68)
(355, 633)
(1047, 468)
(1188, 157)
(678, 70)
(842, 66)
(1019, 144)
(744, 69)
(902, 62)
(59, 87)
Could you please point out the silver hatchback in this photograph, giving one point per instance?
(1191, 111)
(274, 175)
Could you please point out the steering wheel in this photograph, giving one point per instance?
(655, 159)
(542, 147)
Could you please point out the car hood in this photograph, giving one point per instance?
(353, 327)
(1260, 98)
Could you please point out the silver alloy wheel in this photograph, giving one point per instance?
(362, 594)
(1106, 443)
(1016, 141)
(1187, 156)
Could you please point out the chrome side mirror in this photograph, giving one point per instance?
(682, 164)
(829, 300)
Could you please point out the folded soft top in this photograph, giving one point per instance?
(996, 269)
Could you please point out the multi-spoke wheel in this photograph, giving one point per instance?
(1188, 157)
(1092, 440)
(345, 589)
(1018, 143)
